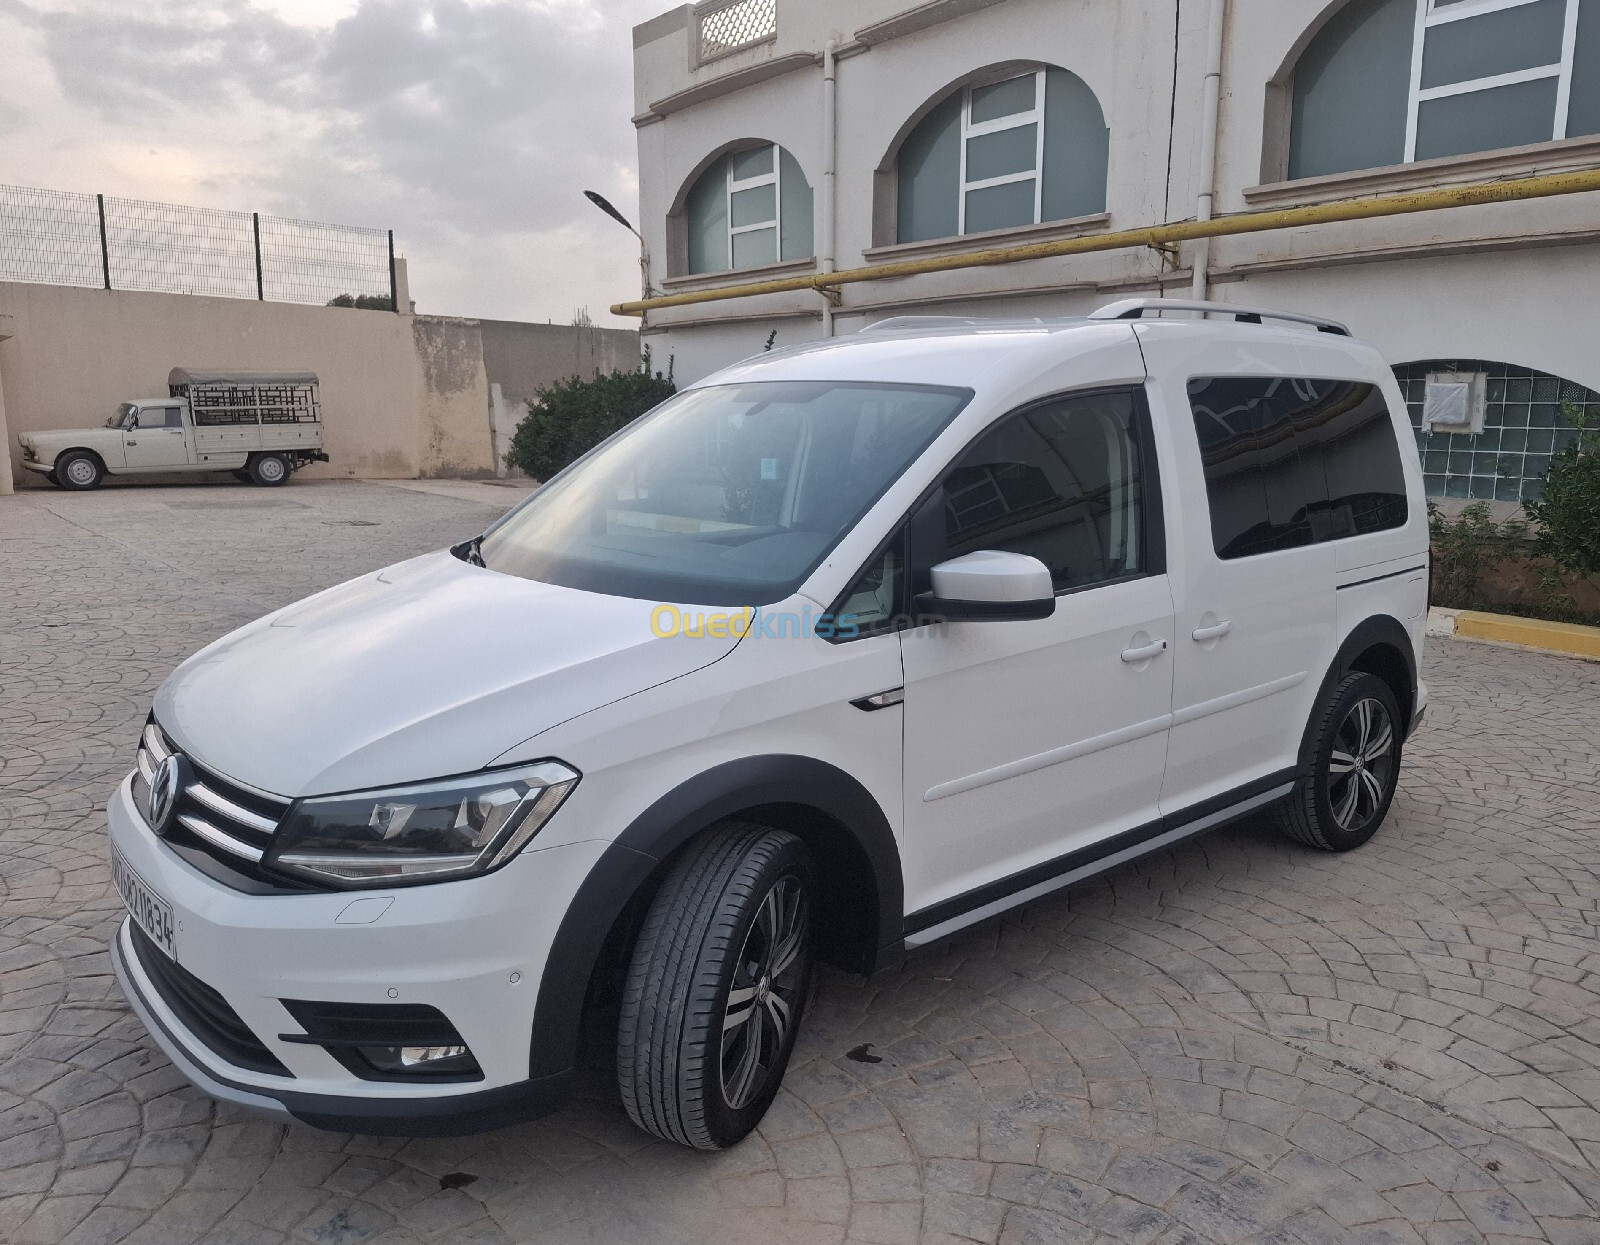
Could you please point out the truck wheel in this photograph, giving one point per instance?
(53, 478)
(1355, 767)
(718, 982)
(269, 470)
(79, 470)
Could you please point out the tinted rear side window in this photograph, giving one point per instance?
(1292, 462)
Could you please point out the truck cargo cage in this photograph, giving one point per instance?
(248, 397)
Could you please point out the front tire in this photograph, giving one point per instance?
(1355, 767)
(717, 986)
(79, 471)
(269, 470)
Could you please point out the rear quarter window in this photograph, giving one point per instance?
(1293, 461)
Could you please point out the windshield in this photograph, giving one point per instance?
(123, 411)
(729, 495)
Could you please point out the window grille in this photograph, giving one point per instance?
(727, 27)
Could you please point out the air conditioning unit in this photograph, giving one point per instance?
(1455, 402)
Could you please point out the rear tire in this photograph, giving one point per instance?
(1355, 767)
(269, 470)
(78, 471)
(717, 986)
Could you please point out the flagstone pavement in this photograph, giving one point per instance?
(1237, 1040)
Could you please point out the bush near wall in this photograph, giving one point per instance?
(571, 417)
(1567, 514)
(1547, 567)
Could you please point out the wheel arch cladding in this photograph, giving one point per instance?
(852, 845)
(1379, 646)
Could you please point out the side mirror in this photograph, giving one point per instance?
(132, 422)
(990, 585)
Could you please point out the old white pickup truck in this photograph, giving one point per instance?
(260, 426)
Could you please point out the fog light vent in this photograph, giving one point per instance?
(386, 1041)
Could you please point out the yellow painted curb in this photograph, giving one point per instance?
(1530, 632)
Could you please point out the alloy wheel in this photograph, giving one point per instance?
(763, 998)
(1361, 765)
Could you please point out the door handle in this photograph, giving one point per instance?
(1202, 635)
(1135, 655)
(132, 443)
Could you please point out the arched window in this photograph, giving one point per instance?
(751, 207)
(1027, 149)
(1491, 74)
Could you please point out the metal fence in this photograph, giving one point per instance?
(61, 238)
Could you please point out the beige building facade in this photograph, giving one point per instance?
(940, 128)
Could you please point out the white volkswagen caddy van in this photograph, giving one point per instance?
(838, 651)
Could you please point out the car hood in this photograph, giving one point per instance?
(63, 438)
(431, 668)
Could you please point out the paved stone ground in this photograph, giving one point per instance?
(1236, 1041)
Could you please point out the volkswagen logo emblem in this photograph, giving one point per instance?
(165, 785)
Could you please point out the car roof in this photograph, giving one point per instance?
(957, 354)
(966, 352)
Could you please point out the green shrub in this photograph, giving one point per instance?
(1465, 549)
(572, 416)
(1567, 517)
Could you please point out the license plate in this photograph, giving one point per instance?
(150, 912)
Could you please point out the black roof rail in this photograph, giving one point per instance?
(1138, 308)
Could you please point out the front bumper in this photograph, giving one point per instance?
(41, 468)
(474, 949)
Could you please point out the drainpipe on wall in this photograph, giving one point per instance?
(1216, 31)
(830, 153)
(5, 435)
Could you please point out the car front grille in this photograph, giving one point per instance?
(203, 1011)
(216, 817)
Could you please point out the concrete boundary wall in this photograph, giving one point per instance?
(403, 396)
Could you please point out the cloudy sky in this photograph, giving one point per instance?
(469, 127)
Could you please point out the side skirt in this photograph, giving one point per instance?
(941, 919)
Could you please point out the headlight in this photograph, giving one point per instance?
(431, 831)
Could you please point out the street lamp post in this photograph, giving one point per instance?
(604, 204)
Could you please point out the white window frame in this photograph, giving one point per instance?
(1012, 121)
(752, 183)
(1431, 13)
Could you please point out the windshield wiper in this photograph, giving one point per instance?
(470, 551)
